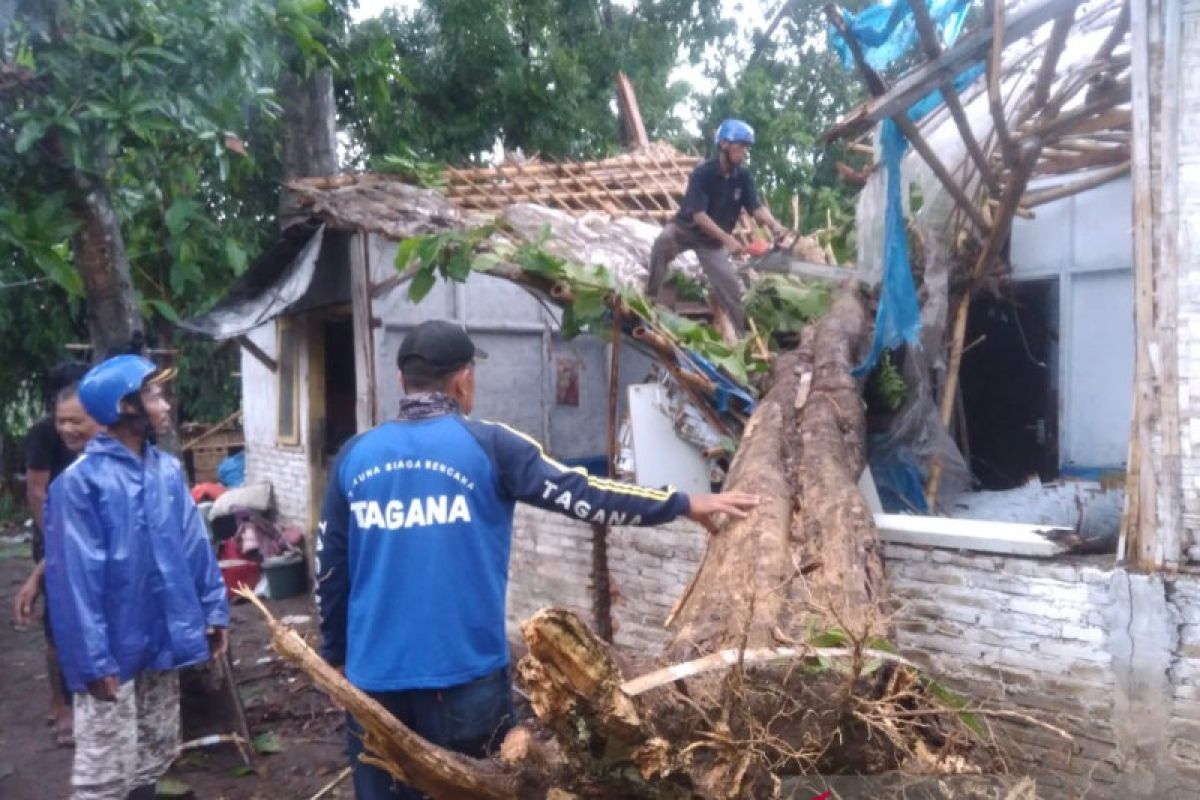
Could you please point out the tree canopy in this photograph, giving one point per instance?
(157, 124)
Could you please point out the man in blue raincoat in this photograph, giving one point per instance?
(134, 587)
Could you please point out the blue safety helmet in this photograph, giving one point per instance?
(105, 384)
(734, 130)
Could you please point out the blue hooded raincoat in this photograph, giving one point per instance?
(131, 578)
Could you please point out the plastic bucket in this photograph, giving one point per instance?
(238, 572)
(286, 576)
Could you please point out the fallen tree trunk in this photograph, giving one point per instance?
(787, 672)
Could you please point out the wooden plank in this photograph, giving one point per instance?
(364, 337)
(1004, 538)
(259, 354)
(1138, 520)
(920, 81)
(631, 113)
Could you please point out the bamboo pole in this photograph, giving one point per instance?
(213, 431)
(1066, 190)
(995, 66)
(1054, 48)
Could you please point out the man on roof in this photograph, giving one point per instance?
(717, 192)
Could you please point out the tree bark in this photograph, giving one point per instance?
(99, 251)
(309, 136)
(808, 555)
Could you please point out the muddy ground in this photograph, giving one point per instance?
(284, 713)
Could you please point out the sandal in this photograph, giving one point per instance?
(64, 735)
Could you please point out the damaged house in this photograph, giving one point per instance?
(1058, 318)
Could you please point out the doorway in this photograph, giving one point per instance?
(1009, 380)
(341, 420)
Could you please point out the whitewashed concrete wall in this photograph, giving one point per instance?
(285, 466)
(1110, 656)
(1085, 244)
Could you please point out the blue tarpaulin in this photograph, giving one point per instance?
(886, 32)
(898, 319)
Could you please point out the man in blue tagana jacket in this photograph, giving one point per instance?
(133, 584)
(413, 549)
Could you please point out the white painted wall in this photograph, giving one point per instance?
(1085, 242)
(285, 467)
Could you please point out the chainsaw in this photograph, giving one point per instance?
(781, 260)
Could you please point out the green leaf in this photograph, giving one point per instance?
(883, 645)
(458, 266)
(405, 252)
(31, 133)
(830, 638)
(242, 771)
(421, 283)
(428, 248)
(178, 215)
(170, 787)
(589, 305)
(268, 743)
(235, 256)
(164, 308)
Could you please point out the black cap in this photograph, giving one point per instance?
(445, 346)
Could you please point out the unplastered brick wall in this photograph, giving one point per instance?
(1111, 657)
(649, 568)
(551, 565)
(1106, 655)
(287, 470)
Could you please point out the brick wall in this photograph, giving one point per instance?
(648, 570)
(287, 470)
(1112, 657)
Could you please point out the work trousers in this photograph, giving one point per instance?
(471, 718)
(130, 743)
(714, 260)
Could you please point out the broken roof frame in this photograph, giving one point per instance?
(1062, 86)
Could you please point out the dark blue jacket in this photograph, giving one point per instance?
(413, 547)
(131, 578)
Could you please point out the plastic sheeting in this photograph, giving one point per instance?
(888, 31)
(898, 320)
